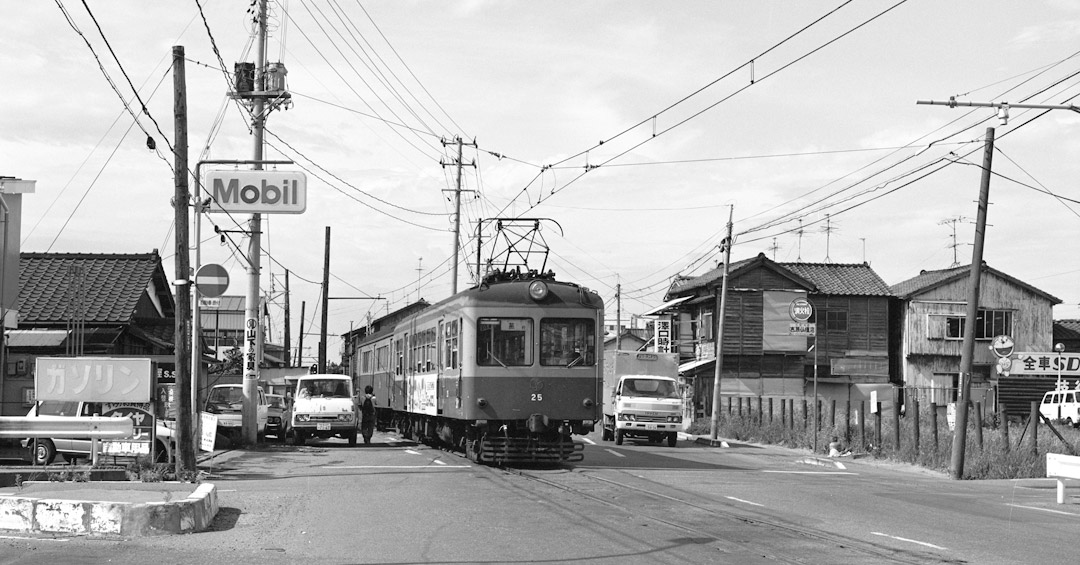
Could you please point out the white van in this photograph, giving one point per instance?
(1062, 405)
(324, 406)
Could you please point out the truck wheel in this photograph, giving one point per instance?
(618, 437)
(672, 438)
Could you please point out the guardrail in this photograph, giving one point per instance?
(1062, 467)
(93, 427)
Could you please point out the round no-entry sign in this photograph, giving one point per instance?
(211, 280)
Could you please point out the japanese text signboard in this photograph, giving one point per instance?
(138, 444)
(93, 379)
(1051, 363)
(663, 334)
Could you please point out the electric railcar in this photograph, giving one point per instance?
(506, 371)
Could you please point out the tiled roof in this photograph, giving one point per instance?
(1066, 329)
(112, 285)
(929, 280)
(840, 279)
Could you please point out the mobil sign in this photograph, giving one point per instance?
(258, 192)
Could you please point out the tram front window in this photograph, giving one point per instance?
(504, 342)
(567, 342)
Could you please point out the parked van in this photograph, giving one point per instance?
(1062, 405)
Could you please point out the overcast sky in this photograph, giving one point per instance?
(634, 127)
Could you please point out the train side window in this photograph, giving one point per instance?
(567, 342)
(504, 342)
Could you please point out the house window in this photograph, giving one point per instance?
(705, 331)
(835, 321)
(988, 324)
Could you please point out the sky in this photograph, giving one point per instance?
(632, 129)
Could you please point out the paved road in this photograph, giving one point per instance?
(395, 502)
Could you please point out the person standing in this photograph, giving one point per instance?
(367, 414)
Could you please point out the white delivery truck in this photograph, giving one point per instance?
(323, 407)
(641, 396)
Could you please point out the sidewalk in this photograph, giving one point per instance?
(109, 508)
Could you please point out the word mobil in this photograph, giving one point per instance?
(258, 191)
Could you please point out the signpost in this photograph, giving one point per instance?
(801, 310)
(212, 280)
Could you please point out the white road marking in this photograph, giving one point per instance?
(588, 441)
(922, 543)
(412, 452)
(445, 466)
(40, 539)
(438, 462)
(615, 453)
(811, 472)
(1042, 509)
(744, 501)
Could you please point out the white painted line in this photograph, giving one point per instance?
(438, 462)
(615, 453)
(1042, 509)
(588, 441)
(412, 452)
(39, 539)
(922, 543)
(743, 501)
(445, 466)
(810, 472)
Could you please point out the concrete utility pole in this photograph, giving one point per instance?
(457, 211)
(252, 326)
(618, 316)
(956, 467)
(722, 307)
(325, 302)
(185, 460)
(288, 335)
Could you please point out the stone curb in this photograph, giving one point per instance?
(130, 519)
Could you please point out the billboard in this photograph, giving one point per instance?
(93, 379)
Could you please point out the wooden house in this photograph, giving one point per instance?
(929, 319)
(766, 350)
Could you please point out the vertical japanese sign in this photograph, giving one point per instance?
(93, 379)
(663, 334)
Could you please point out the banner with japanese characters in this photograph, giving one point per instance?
(93, 379)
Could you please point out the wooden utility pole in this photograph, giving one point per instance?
(956, 467)
(720, 309)
(288, 334)
(300, 345)
(457, 213)
(325, 302)
(185, 462)
(618, 316)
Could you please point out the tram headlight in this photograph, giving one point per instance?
(481, 402)
(588, 403)
(538, 290)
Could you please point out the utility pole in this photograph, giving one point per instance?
(288, 334)
(956, 467)
(618, 316)
(252, 326)
(300, 345)
(721, 308)
(325, 302)
(457, 211)
(185, 462)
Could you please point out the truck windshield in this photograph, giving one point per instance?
(654, 388)
(324, 388)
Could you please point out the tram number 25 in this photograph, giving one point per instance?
(537, 397)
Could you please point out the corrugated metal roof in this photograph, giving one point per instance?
(36, 338)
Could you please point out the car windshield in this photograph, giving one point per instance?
(650, 387)
(226, 395)
(325, 388)
(57, 408)
(275, 401)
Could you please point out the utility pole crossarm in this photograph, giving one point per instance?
(953, 103)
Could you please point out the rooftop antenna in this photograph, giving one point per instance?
(954, 245)
(773, 248)
(800, 232)
(828, 229)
